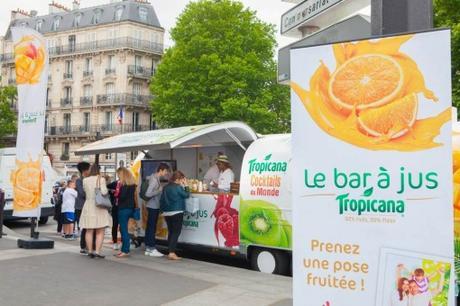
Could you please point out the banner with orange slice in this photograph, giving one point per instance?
(371, 141)
(31, 63)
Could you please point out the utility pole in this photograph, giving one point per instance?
(399, 16)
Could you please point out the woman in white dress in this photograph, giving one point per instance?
(93, 218)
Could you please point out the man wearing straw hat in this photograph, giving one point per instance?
(226, 175)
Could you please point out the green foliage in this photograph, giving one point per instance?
(447, 14)
(221, 68)
(7, 115)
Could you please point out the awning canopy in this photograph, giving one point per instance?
(213, 134)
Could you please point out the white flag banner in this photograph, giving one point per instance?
(31, 61)
(372, 186)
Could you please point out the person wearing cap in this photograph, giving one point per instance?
(226, 175)
(212, 175)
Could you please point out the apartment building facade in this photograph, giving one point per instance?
(101, 62)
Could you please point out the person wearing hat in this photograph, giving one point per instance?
(226, 175)
(212, 175)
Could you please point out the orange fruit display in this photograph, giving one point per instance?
(392, 120)
(27, 184)
(29, 59)
(366, 81)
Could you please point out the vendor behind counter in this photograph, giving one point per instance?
(226, 175)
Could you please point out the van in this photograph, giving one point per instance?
(7, 165)
(252, 220)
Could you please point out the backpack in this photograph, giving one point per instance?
(143, 190)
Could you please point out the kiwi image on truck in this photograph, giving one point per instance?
(262, 223)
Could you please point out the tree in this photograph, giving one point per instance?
(7, 115)
(220, 68)
(447, 14)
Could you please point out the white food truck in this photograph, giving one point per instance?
(7, 165)
(255, 221)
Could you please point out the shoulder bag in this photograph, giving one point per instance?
(102, 201)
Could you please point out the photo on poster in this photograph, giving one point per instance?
(413, 279)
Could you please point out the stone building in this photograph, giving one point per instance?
(102, 59)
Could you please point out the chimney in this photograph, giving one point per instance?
(75, 5)
(20, 14)
(55, 7)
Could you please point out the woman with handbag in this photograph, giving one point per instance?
(95, 215)
(172, 206)
(127, 205)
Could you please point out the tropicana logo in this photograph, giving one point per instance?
(369, 205)
(266, 165)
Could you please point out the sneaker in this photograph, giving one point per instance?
(147, 252)
(116, 247)
(155, 253)
(84, 252)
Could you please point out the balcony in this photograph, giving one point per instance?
(110, 71)
(67, 76)
(87, 130)
(140, 72)
(99, 45)
(87, 74)
(66, 102)
(86, 101)
(124, 99)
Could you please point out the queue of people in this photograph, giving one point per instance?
(79, 210)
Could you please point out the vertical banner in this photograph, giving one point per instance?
(31, 60)
(372, 178)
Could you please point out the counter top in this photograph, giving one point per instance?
(212, 193)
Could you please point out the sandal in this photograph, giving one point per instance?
(122, 255)
(174, 257)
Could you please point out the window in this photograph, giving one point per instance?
(68, 92)
(87, 91)
(12, 73)
(137, 61)
(133, 155)
(67, 123)
(118, 13)
(109, 88)
(88, 64)
(111, 34)
(86, 121)
(91, 39)
(65, 149)
(38, 25)
(135, 121)
(68, 67)
(137, 89)
(97, 16)
(77, 20)
(72, 41)
(108, 156)
(48, 97)
(46, 123)
(108, 121)
(111, 62)
(143, 13)
(137, 38)
(56, 22)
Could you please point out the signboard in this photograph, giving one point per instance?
(31, 63)
(372, 172)
(303, 12)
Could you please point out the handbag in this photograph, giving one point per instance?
(102, 201)
(192, 205)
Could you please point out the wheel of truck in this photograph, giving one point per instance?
(270, 261)
(43, 220)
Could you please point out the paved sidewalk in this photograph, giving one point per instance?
(63, 277)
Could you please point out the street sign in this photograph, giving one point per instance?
(312, 13)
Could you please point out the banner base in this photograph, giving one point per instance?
(32, 243)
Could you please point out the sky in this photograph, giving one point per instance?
(167, 11)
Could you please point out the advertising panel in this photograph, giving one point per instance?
(31, 63)
(372, 172)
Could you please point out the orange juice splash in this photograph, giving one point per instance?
(29, 57)
(26, 180)
(343, 122)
